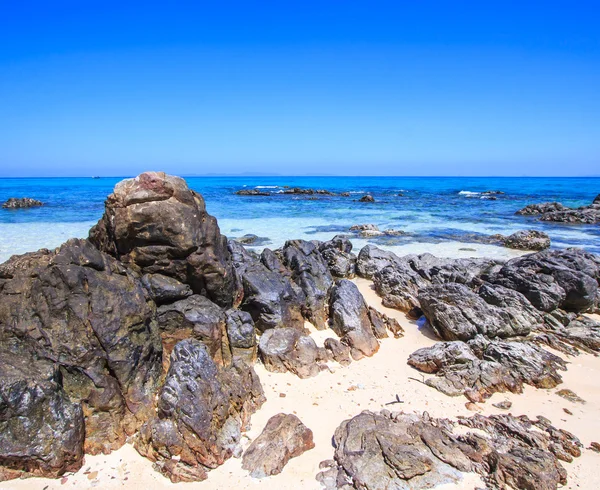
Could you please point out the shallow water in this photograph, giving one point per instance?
(440, 215)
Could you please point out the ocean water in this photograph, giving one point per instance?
(442, 215)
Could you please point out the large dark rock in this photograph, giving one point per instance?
(21, 202)
(481, 367)
(269, 294)
(413, 451)
(41, 430)
(242, 335)
(551, 279)
(202, 409)
(283, 438)
(542, 208)
(156, 224)
(350, 319)
(339, 257)
(164, 289)
(457, 313)
(311, 273)
(286, 349)
(89, 316)
(194, 317)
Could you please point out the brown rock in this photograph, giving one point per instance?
(284, 437)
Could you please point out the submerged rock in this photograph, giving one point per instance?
(367, 198)
(21, 202)
(284, 437)
(202, 409)
(252, 192)
(157, 225)
(527, 240)
(554, 211)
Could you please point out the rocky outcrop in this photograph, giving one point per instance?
(569, 333)
(241, 335)
(81, 311)
(157, 225)
(339, 257)
(383, 450)
(554, 211)
(311, 273)
(41, 429)
(367, 198)
(283, 438)
(479, 368)
(527, 240)
(350, 320)
(252, 192)
(21, 203)
(457, 313)
(551, 279)
(164, 289)
(202, 409)
(270, 296)
(286, 349)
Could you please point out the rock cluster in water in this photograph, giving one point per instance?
(149, 329)
(555, 211)
(21, 202)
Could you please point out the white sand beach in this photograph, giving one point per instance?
(324, 401)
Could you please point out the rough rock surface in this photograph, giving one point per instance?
(252, 192)
(21, 202)
(311, 273)
(164, 289)
(527, 240)
(551, 279)
(350, 320)
(202, 409)
(367, 198)
(41, 430)
(457, 313)
(242, 335)
(481, 367)
(284, 437)
(555, 211)
(269, 294)
(89, 316)
(156, 224)
(412, 451)
(286, 349)
(339, 257)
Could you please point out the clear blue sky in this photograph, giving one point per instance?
(300, 87)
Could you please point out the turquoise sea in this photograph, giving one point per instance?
(441, 215)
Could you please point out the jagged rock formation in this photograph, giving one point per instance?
(21, 202)
(412, 451)
(156, 224)
(202, 409)
(525, 240)
(339, 257)
(284, 437)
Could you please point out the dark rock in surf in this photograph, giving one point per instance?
(21, 203)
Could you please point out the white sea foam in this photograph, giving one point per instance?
(469, 193)
(267, 187)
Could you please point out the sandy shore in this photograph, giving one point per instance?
(324, 401)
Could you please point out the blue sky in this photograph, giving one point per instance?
(300, 88)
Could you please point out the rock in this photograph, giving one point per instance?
(372, 259)
(270, 297)
(157, 225)
(41, 430)
(457, 313)
(21, 203)
(392, 232)
(339, 257)
(569, 333)
(570, 395)
(286, 349)
(527, 240)
(298, 190)
(284, 437)
(365, 227)
(164, 289)
(194, 317)
(252, 192)
(253, 240)
(482, 367)
(371, 233)
(551, 279)
(345, 194)
(595, 446)
(367, 198)
(503, 405)
(311, 273)
(402, 451)
(242, 335)
(202, 409)
(82, 311)
(339, 352)
(381, 323)
(349, 319)
(554, 211)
